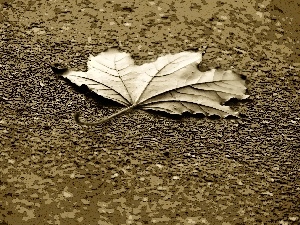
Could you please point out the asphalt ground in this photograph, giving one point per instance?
(148, 167)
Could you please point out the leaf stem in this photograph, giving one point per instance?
(78, 121)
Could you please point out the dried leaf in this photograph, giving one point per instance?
(173, 83)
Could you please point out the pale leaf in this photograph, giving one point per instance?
(172, 83)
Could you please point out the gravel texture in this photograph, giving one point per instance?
(148, 167)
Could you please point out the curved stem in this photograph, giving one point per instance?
(78, 121)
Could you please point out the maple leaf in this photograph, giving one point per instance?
(173, 84)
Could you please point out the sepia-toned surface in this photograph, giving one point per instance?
(144, 167)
